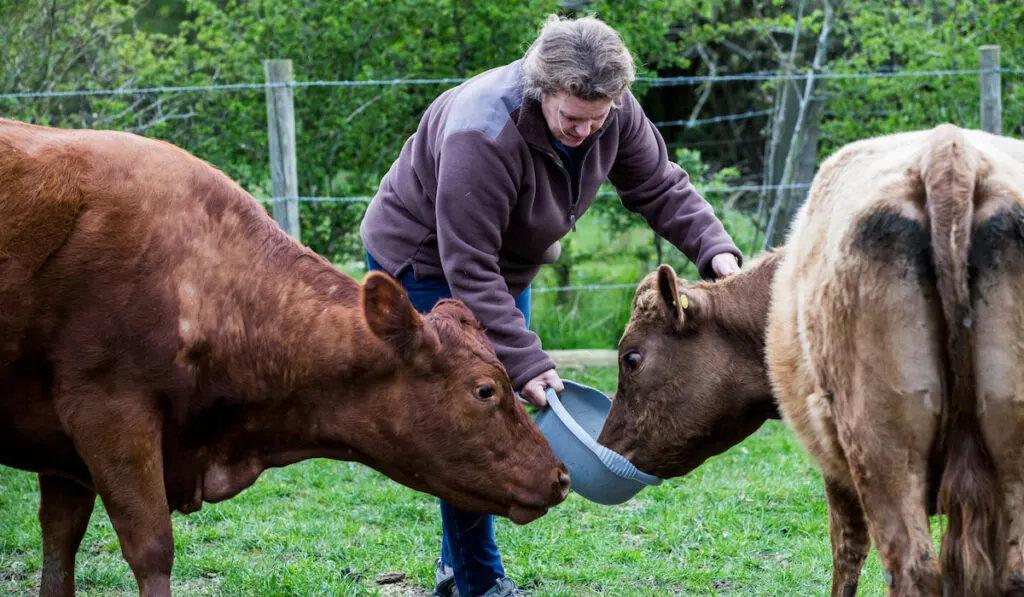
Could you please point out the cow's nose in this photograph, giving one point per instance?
(563, 484)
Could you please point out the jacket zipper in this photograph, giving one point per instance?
(574, 199)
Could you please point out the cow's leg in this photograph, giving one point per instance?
(878, 335)
(891, 478)
(886, 431)
(1013, 566)
(64, 511)
(849, 532)
(999, 352)
(1002, 421)
(119, 438)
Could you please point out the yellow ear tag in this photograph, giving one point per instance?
(684, 301)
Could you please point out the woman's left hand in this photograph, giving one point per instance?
(725, 265)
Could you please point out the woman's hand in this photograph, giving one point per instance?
(725, 265)
(533, 391)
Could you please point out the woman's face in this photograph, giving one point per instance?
(571, 119)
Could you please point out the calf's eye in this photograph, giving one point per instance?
(631, 360)
(485, 392)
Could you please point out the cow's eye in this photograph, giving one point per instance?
(631, 360)
(485, 391)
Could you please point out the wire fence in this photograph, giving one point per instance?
(692, 122)
(584, 287)
(761, 76)
(700, 189)
(651, 81)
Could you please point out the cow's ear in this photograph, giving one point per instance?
(668, 290)
(390, 315)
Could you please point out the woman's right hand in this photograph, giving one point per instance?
(533, 391)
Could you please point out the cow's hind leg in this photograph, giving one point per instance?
(119, 437)
(891, 479)
(880, 333)
(64, 511)
(849, 532)
(997, 257)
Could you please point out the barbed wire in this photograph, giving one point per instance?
(140, 90)
(652, 81)
(363, 199)
(802, 75)
(586, 287)
(702, 121)
(700, 189)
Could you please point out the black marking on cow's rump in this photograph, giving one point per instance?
(893, 238)
(997, 239)
(1014, 585)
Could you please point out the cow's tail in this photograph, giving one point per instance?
(968, 492)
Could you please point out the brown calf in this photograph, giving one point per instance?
(162, 342)
(692, 381)
(892, 343)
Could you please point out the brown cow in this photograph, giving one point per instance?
(890, 326)
(162, 342)
(693, 381)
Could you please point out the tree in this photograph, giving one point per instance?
(49, 46)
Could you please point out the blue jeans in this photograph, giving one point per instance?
(467, 538)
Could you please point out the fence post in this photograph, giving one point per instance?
(991, 90)
(281, 129)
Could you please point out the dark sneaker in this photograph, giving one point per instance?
(444, 581)
(505, 587)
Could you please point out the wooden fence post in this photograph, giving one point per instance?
(281, 129)
(991, 90)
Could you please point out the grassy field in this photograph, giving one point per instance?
(750, 522)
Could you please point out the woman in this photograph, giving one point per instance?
(499, 169)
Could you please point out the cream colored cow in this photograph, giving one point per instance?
(889, 331)
(893, 341)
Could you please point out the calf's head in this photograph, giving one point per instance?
(692, 380)
(447, 420)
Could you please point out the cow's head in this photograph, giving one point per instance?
(692, 380)
(448, 422)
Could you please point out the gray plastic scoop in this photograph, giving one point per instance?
(572, 424)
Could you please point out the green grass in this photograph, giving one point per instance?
(750, 522)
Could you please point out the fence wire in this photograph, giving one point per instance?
(700, 189)
(652, 81)
(762, 76)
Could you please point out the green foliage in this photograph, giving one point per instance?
(348, 136)
(875, 35)
(48, 46)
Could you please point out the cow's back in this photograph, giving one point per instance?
(121, 257)
(97, 227)
(857, 286)
(856, 270)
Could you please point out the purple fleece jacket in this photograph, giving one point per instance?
(479, 196)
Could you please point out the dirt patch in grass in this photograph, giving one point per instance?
(404, 588)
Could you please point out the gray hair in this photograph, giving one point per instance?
(583, 56)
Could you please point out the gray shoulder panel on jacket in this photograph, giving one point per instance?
(486, 102)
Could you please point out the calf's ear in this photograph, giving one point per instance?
(390, 315)
(668, 290)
